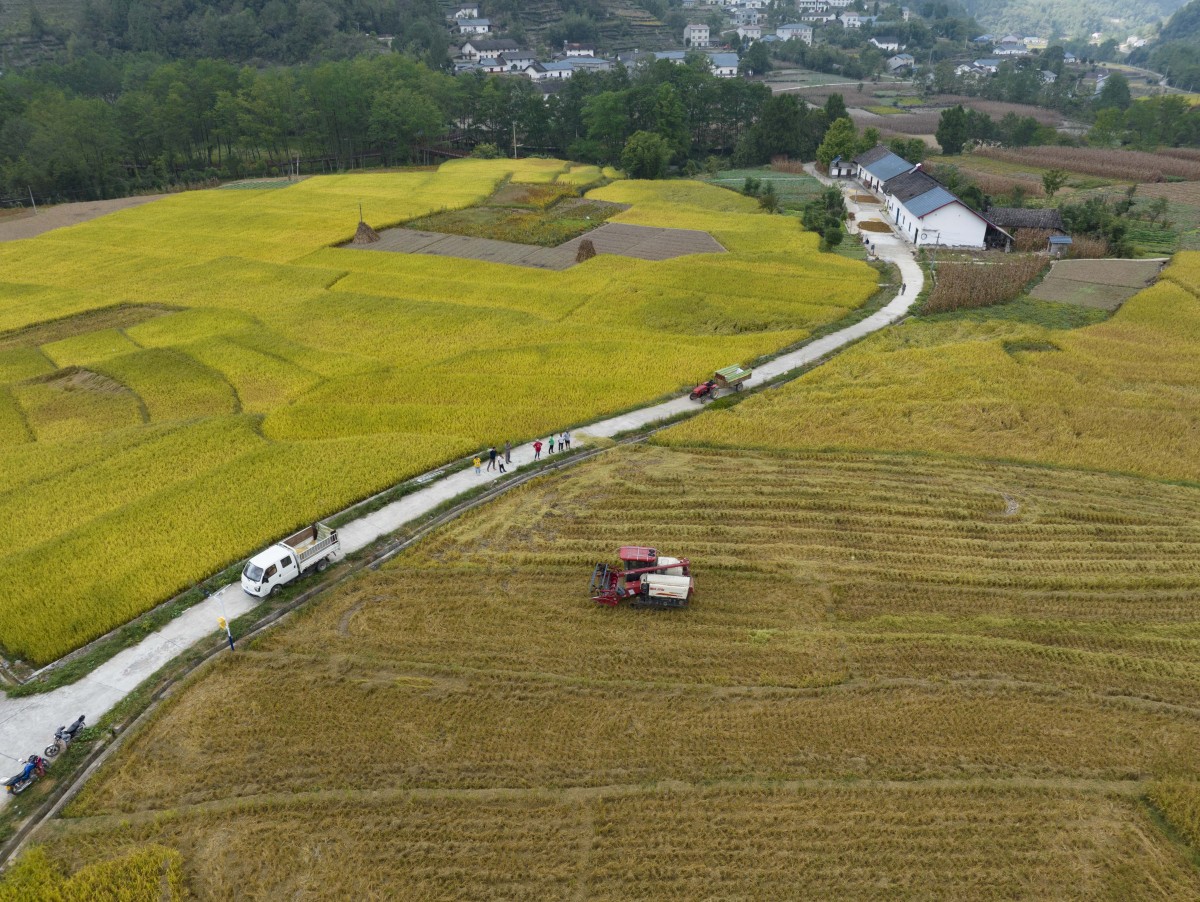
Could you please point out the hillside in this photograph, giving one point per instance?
(299, 30)
(1176, 52)
(1069, 18)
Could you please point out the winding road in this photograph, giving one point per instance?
(27, 724)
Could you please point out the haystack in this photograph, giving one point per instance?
(365, 234)
(586, 251)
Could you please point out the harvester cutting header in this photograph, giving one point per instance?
(645, 578)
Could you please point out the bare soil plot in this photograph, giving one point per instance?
(1105, 284)
(49, 218)
(642, 242)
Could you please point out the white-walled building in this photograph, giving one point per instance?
(478, 48)
(795, 31)
(724, 65)
(877, 165)
(889, 44)
(749, 32)
(578, 50)
(696, 35)
(926, 213)
(467, 11)
(474, 26)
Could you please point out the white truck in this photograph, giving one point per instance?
(314, 546)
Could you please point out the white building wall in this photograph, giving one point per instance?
(954, 225)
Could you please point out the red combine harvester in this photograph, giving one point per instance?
(645, 579)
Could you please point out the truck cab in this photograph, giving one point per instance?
(268, 570)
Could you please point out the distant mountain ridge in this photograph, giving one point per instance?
(1070, 18)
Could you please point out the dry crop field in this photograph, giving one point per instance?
(183, 382)
(902, 678)
(1095, 283)
(1123, 165)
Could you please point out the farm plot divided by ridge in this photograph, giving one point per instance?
(184, 382)
(969, 673)
(1096, 283)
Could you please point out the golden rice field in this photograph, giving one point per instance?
(183, 382)
(903, 678)
(1121, 395)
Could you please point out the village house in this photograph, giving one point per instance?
(877, 165)
(578, 50)
(795, 31)
(900, 62)
(749, 32)
(467, 11)
(696, 35)
(474, 26)
(1014, 220)
(889, 44)
(927, 213)
(724, 65)
(478, 48)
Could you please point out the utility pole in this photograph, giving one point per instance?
(514, 125)
(31, 200)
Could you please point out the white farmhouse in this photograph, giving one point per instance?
(877, 165)
(477, 48)
(927, 214)
(724, 65)
(578, 50)
(467, 11)
(749, 32)
(474, 26)
(795, 31)
(696, 35)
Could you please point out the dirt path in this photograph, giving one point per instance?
(30, 225)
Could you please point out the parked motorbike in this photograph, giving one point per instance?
(34, 768)
(63, 737)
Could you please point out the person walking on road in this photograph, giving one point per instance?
(507, 451)
(537, 450)
(551, 442)
(476, 463)
(500, 462)
(491, 457)
(564, 441)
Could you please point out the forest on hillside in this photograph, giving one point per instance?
(1070, 18)
(97, 127)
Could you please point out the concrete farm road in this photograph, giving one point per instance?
(27, 724)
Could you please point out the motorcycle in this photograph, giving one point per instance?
(63, 737)
(34, 768)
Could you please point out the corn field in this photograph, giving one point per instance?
(1122, 165)
(963, 286)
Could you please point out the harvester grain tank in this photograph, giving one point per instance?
(644, 578)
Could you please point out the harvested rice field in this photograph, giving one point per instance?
(973, 675)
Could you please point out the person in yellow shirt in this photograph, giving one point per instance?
(477, 463)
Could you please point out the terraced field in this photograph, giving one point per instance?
(183, 382)
(969, 674)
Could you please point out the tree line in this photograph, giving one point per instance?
(97, 127)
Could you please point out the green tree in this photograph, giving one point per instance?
(1052, 180)
(840, 141)
(1114, 94)
(646, 155)
(401, 119)
(952, 130)
(835, 108)
(756, 61)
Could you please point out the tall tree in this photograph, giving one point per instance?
(952, 130)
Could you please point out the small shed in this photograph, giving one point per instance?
(1058, 245)
(839, 168)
